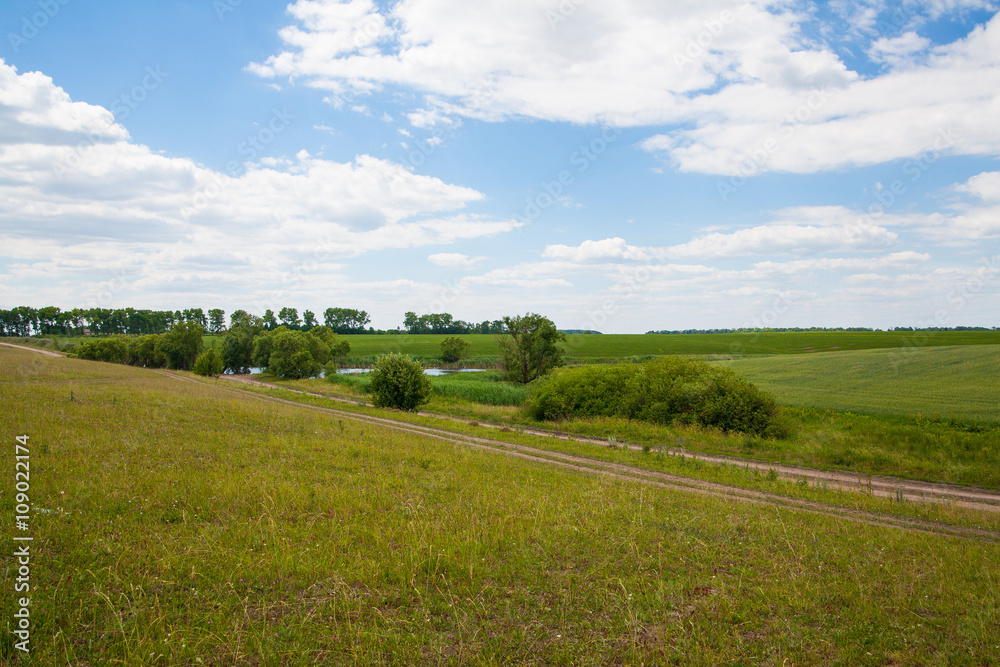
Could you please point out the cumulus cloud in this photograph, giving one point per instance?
(81, 202)
(615, 248)
(454, 260)
(732, 80)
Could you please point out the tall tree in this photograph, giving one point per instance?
(530, 348)
(308, 320)
(216, 320)
(290, 317)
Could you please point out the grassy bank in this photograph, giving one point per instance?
(192, 526)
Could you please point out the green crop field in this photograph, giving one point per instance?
(594, 346)
(180, 523)
(961, 382)
(610, 347)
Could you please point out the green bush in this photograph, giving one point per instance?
(453, 349)
(209, 362)
(398, 381)
(142, 352)
(666, 390)
(113, 350)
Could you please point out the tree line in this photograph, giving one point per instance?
(25, 321)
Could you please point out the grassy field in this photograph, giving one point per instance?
(188, 525)
(595, 347)
(929, 414)
(958, 382)
(592, 346)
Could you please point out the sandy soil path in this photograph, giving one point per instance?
(47, 353)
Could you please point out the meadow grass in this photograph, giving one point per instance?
(194, 526)
(925, 447)
(955, 382)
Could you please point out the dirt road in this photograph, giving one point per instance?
(881, 486)
(990, 501)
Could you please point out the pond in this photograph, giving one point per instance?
(427, 371)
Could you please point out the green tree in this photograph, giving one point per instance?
(208, 362)
(238, 342)
(290, 353)
(397, 381)
(453, 349)
(308, 320)
(530, 348)
(181, 345)
(113, 350)
(290, 318)
(216, 320)
(142, 352)
(346, 320)
(269, 322)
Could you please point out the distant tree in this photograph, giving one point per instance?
(237, 317)
(453, 349)
(397, 381)
(290, 318)
(216, 320)
(529, 349)
(291, 353)
(269, 322)
(346, 320)
(142, 352)
(308, 320)
(181, 345)
(196, 315)
(238, 342)
(334, 345)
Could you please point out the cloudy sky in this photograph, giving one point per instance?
(620, 166)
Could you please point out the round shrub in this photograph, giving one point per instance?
(208, 362)
(397, 381)
(666, 390)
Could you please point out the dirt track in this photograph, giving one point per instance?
(979, 499)
(881, 486)
(33, 349)
(662, 480)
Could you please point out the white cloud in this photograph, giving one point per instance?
(76, 209)
(984, 186)
(615, 248)
(898, 51)
(733, 79)
(454, 260)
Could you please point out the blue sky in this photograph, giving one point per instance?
(616, 166)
